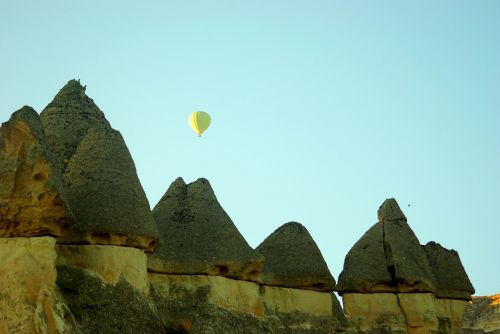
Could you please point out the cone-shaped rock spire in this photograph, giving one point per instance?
(294, 260)
(452, 281)
(390, 211)
(105, 194)
(365, 266)
(406, 259)
(388, 258)
(67, 119)
(198, 237)
(32, 201)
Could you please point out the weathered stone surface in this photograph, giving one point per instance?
(407, 261)
(420, 312)
(482, 315)
(390, 211)
(449, 313)
(451, 279)
(288, 300)
(111, 263)
(374, 313)
(107, 199)
(29, 301)
(365, 266)
(294, 260)
(208, 304)
(67, 119)
(32, 201)
(387, 258)
(198, 237)
(99, 307)
(222, 292)
(291, 310)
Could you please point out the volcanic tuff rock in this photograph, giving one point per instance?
(32, 201)
(107, 198)
(67, 119)
(387, 258)
(482, 316)
(451, 279)
(102, 307)
(406, 259)
(29, 299)
(198, 237)
(294, 260)
(365, 266)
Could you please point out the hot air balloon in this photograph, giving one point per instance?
(199, 121)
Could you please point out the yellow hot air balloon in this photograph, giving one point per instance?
(199, 121)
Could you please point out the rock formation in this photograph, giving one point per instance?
(388, 258)
(99, 176)
(392, 283)
(482, 316)
(29, 299)
(450, 277)
(198, 237)
(67, 119)
(32, 200)
(294, 260)
(70, 178)
(107, 198)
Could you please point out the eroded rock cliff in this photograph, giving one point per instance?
(75, 227)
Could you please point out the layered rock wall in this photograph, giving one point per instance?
(81, 251)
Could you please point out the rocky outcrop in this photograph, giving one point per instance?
(482, 316)
(408, 313)
(208, 304)
(107, 198)
(390, 283)
(213, 304)
(110, 263)
(388, 258)
(99, 306)
(406, 260)
(106, 289)
(29, 299)
(294, 260)
(198, 237)
(73, 168)
(450, 276)
(365, 266)
(32, 200)
(67, 119)
(302, 311)
(101, 183)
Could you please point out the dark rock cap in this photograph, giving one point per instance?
(404, 266)
(105, 194)
(32, 201)
(67, 119)
(294, 260)
(452, 281)
(390, 211)
(365, 266)
(198, 237)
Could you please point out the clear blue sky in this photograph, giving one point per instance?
(321, 109)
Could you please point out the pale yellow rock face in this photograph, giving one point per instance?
(483, 314)
(453, 310)
(110, 262)
(288, 300)
(374, 310)
(29, 202)
(229, 294)
(28, 301)
(420, 312)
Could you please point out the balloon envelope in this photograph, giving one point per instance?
(199, 121)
